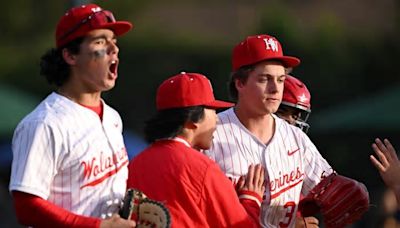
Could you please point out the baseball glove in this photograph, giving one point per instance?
(339, 199)
(146, 212)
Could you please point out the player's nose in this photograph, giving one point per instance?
(272, 86)
(113, 48)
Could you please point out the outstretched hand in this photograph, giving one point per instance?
(254, 180)
(387, 163)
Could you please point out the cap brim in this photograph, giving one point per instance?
(288, 61)
(119, 27)
(219, 104)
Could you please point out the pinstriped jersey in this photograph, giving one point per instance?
(293, 164)
(64, 153)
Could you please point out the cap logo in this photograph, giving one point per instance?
(303, 98)
(96, 9)
(271, 44)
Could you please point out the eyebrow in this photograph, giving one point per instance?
(269, 75)
(102, 36)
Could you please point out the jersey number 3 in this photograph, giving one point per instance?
(290, 208)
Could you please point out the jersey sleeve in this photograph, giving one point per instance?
(35, 147)
(221, 203)
(315, 166)
(31, 210)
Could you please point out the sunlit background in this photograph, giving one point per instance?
(349, 51)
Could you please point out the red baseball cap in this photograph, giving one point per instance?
(258, 48)
(185, 90)
(80, 20)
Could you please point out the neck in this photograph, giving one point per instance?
(87, 99)
(262, 126)
(182, 140)
(187, 136)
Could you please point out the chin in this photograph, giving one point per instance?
(109, 86)
(267, 111)
(272, 109)
(204, 147)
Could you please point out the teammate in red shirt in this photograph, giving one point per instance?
(170, 170)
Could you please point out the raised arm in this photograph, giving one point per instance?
(388, 165)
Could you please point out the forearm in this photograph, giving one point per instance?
(34, 211)
(223, 207)
(396, 191)
(251, 202)
(252, 209)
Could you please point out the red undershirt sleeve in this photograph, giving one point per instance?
(221, 203)
(34, 211)
(252, 208)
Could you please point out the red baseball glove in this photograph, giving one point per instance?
(339, 199)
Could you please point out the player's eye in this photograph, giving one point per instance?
(262, 79)
(99, 41)
(282, 79)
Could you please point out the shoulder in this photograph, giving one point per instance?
(226, 116)
(55, 111)
(288, 132)
(172, 158)
(165, 150)
(284, 127)
(228, 123)
(45, 112)
(197, 159)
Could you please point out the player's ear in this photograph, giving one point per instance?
(239, 84)
(68, 57)
(190, 125)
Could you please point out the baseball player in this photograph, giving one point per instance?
(250, 133)
(69, 165)
(295, 107)
(170, 170)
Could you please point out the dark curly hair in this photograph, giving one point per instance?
(53, 65)
(169, 123)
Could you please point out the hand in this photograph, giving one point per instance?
(115, 221)
(388, 164)
(307, 222)
(254, 180)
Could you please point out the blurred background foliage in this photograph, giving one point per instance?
(349, 52)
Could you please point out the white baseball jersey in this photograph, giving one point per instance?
(293, 164)
(64, 153)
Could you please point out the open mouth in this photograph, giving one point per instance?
(114, 68)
